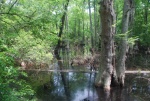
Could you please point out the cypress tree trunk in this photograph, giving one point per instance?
(123, 48)
(107, 15)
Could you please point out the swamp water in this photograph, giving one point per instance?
(77, 86)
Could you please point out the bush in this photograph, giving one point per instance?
(11, 87)
(29, 47)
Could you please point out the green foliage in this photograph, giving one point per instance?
(132, 40)
(141, 24)
(144, 39)
(30, 47)
(3, 47)
(77, 18)
(12, 89)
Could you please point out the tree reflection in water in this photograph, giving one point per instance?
(76, 86)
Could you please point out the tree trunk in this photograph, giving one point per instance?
(83, 33)
(146, 16)
(61, 27)
(107, 16)
(95, 26)
(123, 48)
(91, 26)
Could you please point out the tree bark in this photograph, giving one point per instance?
(107, 16)
(123, 48)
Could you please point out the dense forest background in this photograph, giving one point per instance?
(31, 30)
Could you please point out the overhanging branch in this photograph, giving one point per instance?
(12, 14)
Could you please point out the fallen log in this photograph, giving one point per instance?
(81, 71)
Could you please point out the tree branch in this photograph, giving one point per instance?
(12, 14)
(10, 25)
(12, 6)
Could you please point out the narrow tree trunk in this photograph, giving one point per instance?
(91, 26)
(146, 16)
(83, 34)
(61, 27)
(107, 16)
(123, 48)
(75, 35)
(75, 27)
(83, 37)
(95, 25)
(79, 29)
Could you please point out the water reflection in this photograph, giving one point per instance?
(76, 86)
(59, 86)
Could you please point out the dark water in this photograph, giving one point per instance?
(71, 86)
(77, 86)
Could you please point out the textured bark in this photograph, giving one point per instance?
(107, 16)
(123, 48)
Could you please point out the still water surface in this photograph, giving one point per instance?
(73, 86)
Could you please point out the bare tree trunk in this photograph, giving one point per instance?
(96, 23)
(123, 48)
(107, 16)
(91, 26)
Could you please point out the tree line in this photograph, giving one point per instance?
(37, 30)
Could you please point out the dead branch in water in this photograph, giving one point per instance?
(44, 70)
(81, 71)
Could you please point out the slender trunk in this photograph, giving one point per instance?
(107, 16)
(83, 39)
(123, 48)
(91, 26)
(68, 44)
(83, 35)
(80, 46)
(78, 29)
(146, 17)
(99, 33)
(75, 32)
(61, 27)
(95, 23)
(75, 27)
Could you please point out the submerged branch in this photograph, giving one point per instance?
(81, 71)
